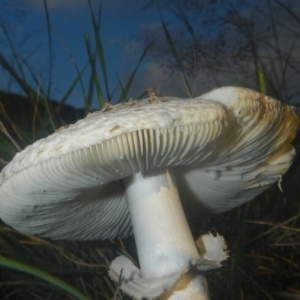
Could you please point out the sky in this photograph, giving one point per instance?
(123, 23)
(70, 20)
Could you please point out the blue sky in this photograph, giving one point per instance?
(122, 23)
(70, 19)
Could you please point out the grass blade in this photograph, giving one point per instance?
(50, 49)
(17, 266)
(99, 47)
(174, 52)
(95, 77)
(127, 87)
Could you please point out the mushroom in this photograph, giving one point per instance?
(125, 169)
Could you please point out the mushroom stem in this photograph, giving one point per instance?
(163, 238)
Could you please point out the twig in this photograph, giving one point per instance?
(6, 133)
(272, 229)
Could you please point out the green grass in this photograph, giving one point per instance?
(39, 267)
(20, 267)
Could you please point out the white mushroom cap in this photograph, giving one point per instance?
(227, 146)
(253, 152)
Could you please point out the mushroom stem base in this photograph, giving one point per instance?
(163, 237)
(190, 286)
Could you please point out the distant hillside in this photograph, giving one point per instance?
(22, 109)
(29, 119)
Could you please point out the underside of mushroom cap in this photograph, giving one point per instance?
(227, 146)
(67, 186)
